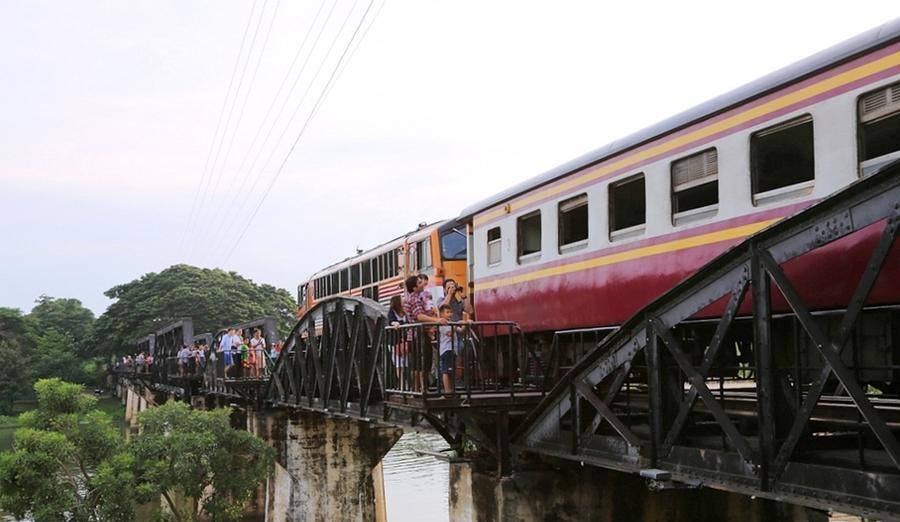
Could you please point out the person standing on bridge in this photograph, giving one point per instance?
(257, 352)
(417, 312)
(397, 317)
(224, 350)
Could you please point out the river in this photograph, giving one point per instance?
(415, 484)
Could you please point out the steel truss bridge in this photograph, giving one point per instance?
(729, 380)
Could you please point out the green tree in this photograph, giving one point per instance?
(68, 461)
(13, 325)
(185, 453)
(15, 378)
(66, 316)
(55, 356)
(211, 298)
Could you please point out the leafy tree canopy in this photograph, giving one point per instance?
(67, 461)
(67, 316)
(15, 378)
(13, 324)
(190, 452)
(212, 298)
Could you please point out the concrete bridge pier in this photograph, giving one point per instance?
(571, 493)
(326, 466)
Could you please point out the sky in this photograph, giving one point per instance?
(137, 135)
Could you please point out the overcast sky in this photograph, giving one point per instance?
(108, 113)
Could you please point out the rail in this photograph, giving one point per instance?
(460, 359)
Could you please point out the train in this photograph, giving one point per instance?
(438, 250)
(590, 242)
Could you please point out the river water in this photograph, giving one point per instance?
(416, 484)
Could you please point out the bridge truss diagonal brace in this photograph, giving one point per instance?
(618, 381)
(718, 412)
(866, 283)
(709, 357)
(830, 349)
(604, 410)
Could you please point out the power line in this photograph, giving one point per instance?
(202, 201)
(287, 127)
(212, 144)
(287, 98)
(318, 104)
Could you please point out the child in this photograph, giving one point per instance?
(447, 335)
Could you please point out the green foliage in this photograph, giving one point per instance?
(66, 316)
(13, 325)
(211, 298)
(55, 356)
(15, 376)
(186, 451)
(48, 342)
(68, 461)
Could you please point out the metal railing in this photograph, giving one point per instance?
(250, 364)
(460, 359)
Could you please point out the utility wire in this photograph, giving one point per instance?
(287, 98)
(203, 198)
(250, 86)
(212, 144)
(318, 103)
(337, 36)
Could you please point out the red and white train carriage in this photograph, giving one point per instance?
(589, 243)
(594, 240)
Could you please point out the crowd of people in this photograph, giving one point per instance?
(240, 356)
(140, 362)
(414, 356)
(245, 356)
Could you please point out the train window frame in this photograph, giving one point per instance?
(783, 192)
(618, 234)
(344, 279)
(889, 112)
(366, 272)
(355, 272)
(459, 255)
(528, 257)
(494, 244)
(710, 176)
(564, 209)
(423, 254)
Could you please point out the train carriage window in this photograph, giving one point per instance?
(528, 228)
(453, 245)
(695, 186)
(782, 160)
(395, 262)
(879, 128)
(345, 279)
(354, 276)
(335, 284)
(423, 253)
(366, 272)
(573, 223)
(493, 246)
(627, 207)
(391, 260)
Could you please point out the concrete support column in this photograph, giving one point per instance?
(129, 404)
(325, 468)
(588, 493)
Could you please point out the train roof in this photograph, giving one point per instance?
(383, 247)
(792, 73)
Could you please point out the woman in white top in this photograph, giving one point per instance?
(258, 352)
